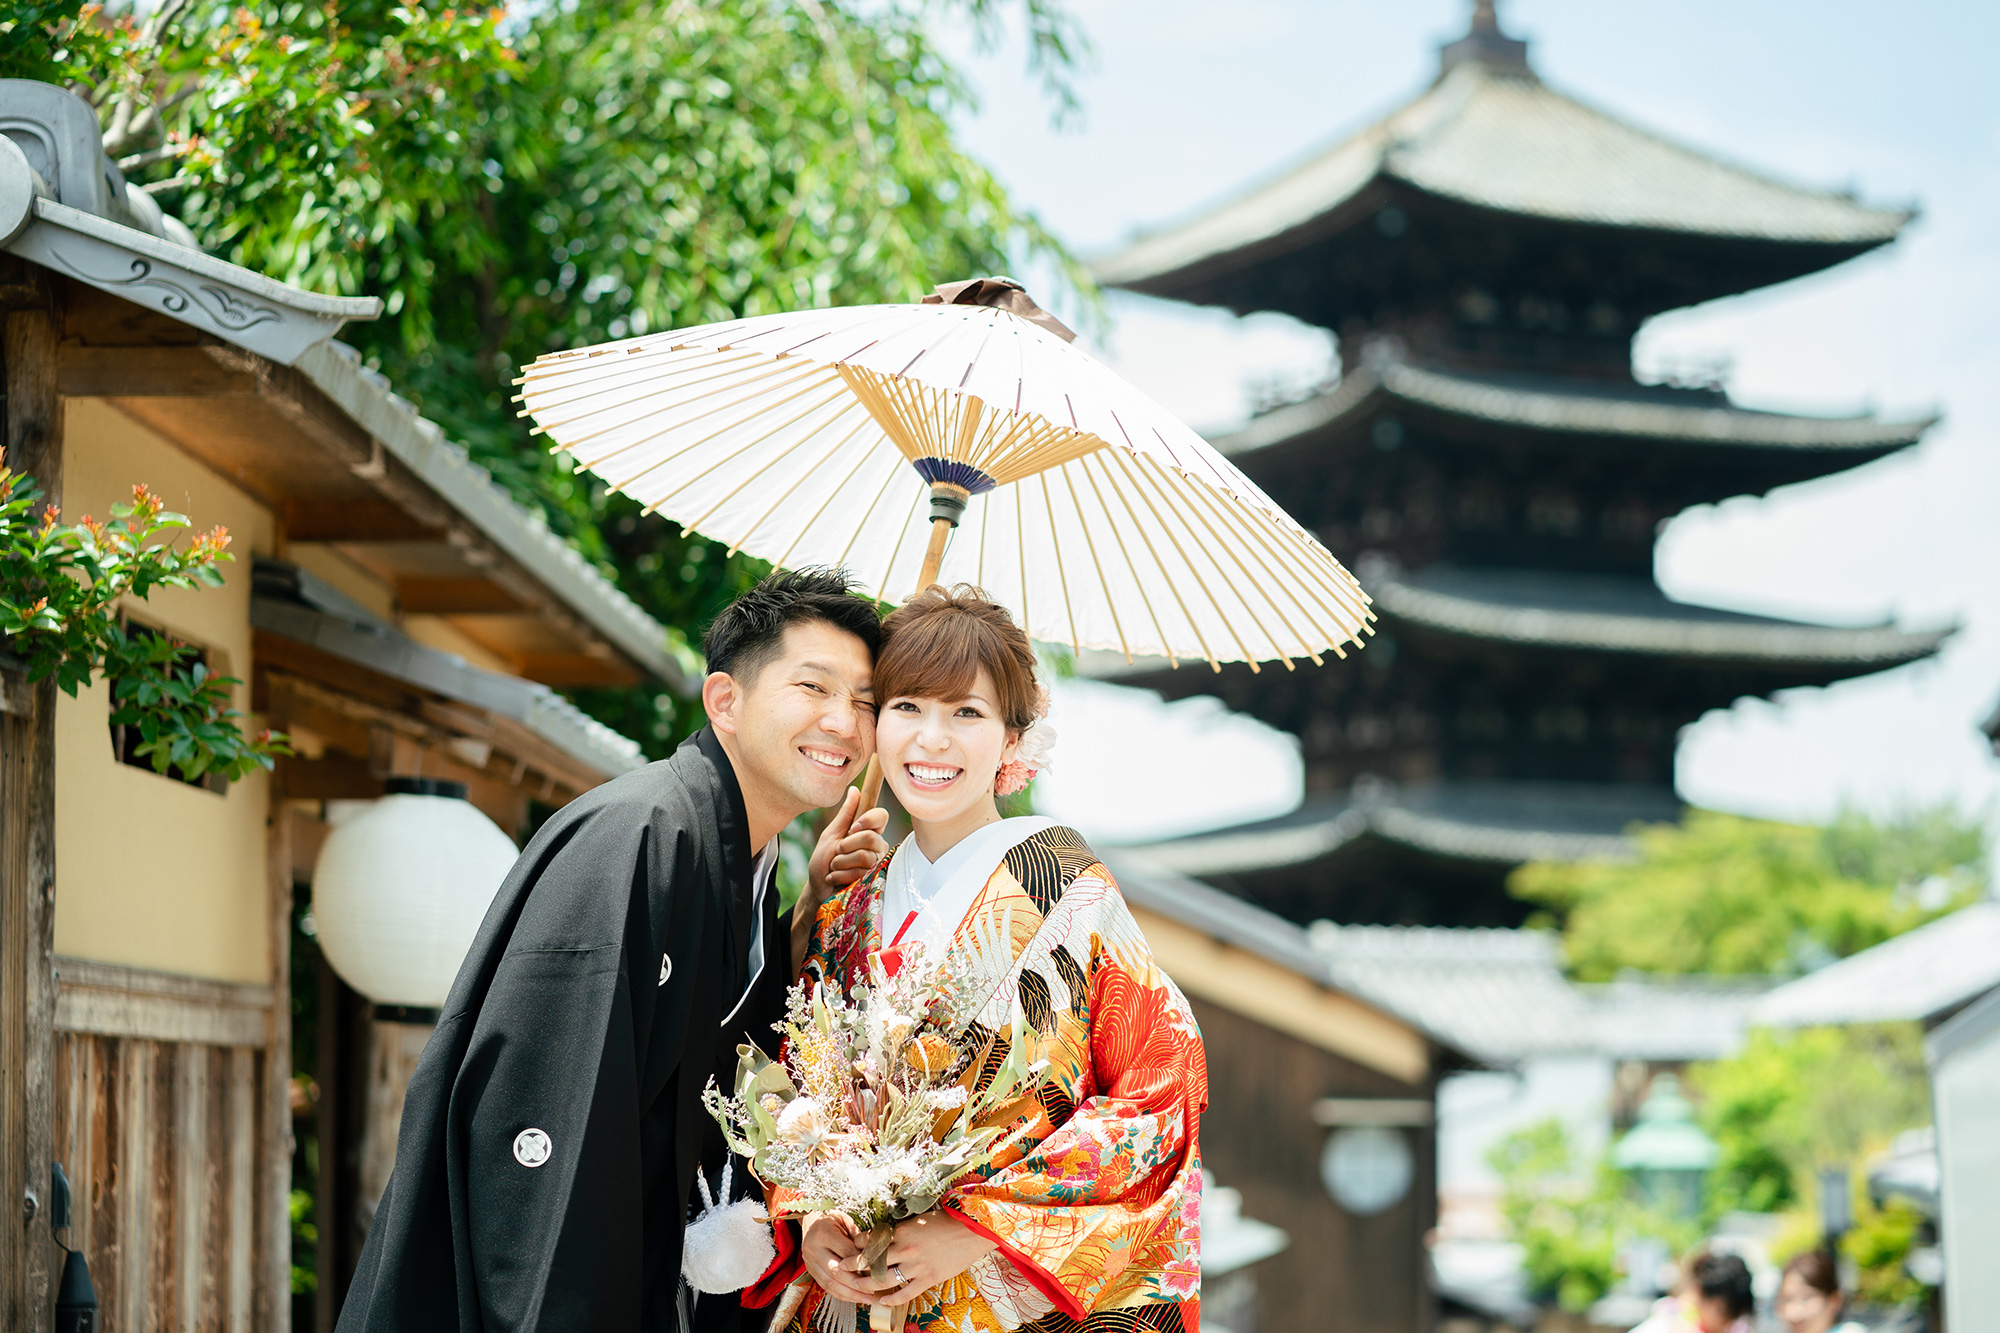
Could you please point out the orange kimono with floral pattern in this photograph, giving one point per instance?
(1096, 1213)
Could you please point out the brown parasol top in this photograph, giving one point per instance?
(1002, 294)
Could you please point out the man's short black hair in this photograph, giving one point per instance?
(1725, 1278)
(747, 635)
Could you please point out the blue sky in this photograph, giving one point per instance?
(1186, 102)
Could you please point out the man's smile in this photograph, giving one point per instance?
(831, 760)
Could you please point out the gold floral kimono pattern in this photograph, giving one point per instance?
(1096, 1213)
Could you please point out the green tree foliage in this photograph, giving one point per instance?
(1571, 1215)
(1791, 1103)
(61, 587)
(577, 172)
(1722, 894)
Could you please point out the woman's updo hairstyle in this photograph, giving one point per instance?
(934, 645)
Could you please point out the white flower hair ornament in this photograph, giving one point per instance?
(1031, 756)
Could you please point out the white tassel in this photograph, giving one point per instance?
(726, 1247)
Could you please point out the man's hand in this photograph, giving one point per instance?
(832, 1254)
(848, 848)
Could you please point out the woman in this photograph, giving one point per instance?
(1097, 1210)
(1809, 1296)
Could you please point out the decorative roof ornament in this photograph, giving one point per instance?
(1486, 45)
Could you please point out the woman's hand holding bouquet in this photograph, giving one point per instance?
(883, 1101)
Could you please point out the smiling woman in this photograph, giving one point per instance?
(957, 691)
(1089, 1215)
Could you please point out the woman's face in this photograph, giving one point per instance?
(1805, 1309)
(940, 755)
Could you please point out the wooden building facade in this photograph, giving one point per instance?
(1321, 1115)
(388, 606)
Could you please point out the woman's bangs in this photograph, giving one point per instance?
(936, 657)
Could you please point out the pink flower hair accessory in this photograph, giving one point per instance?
(1031, 757)
(1013, 776)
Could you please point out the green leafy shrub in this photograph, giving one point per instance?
(60, 589)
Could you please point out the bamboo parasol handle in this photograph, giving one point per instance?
(871, 777)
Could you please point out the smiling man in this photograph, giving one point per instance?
(552, 1133)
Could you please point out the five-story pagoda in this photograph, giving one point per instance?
(1489, 466)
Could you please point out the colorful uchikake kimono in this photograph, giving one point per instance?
(1096, 1214)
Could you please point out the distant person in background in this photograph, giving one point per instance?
(1714, 1296)
(1809, 1297)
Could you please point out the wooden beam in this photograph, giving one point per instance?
(273, 1225)
(355, 519)
(575, 669)
(114, 1001)
(153, 372)
(1280, 998)
(444, 597)
(34, 437)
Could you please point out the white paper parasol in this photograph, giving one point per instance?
(856, 436)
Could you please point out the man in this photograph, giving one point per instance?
(552, 1131)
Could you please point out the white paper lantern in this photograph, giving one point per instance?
(401, 887)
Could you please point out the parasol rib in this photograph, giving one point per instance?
(1055, 540)
(1090, 543)
(804, 476)
(1207, 499)
(1128, 468)
(1208, 654)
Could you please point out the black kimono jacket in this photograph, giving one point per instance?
(552, 1130)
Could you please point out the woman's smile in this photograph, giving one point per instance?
(933, 777)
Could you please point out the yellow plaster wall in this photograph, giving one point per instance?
(151, 872)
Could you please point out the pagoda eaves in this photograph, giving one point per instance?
(1497, 138)
(1629, 412)
(1595, 613)
(1491, 222)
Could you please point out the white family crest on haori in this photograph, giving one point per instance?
(532, 1147)
(859, 437)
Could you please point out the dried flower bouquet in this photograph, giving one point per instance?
(884, 1099)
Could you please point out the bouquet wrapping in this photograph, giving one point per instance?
(884, 1098)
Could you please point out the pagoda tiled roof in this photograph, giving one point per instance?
(1502, 995)
(1498, 138)
(1571, 406)
(1556, 609)
(1492, 821)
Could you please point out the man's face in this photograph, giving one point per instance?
(803, 725)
